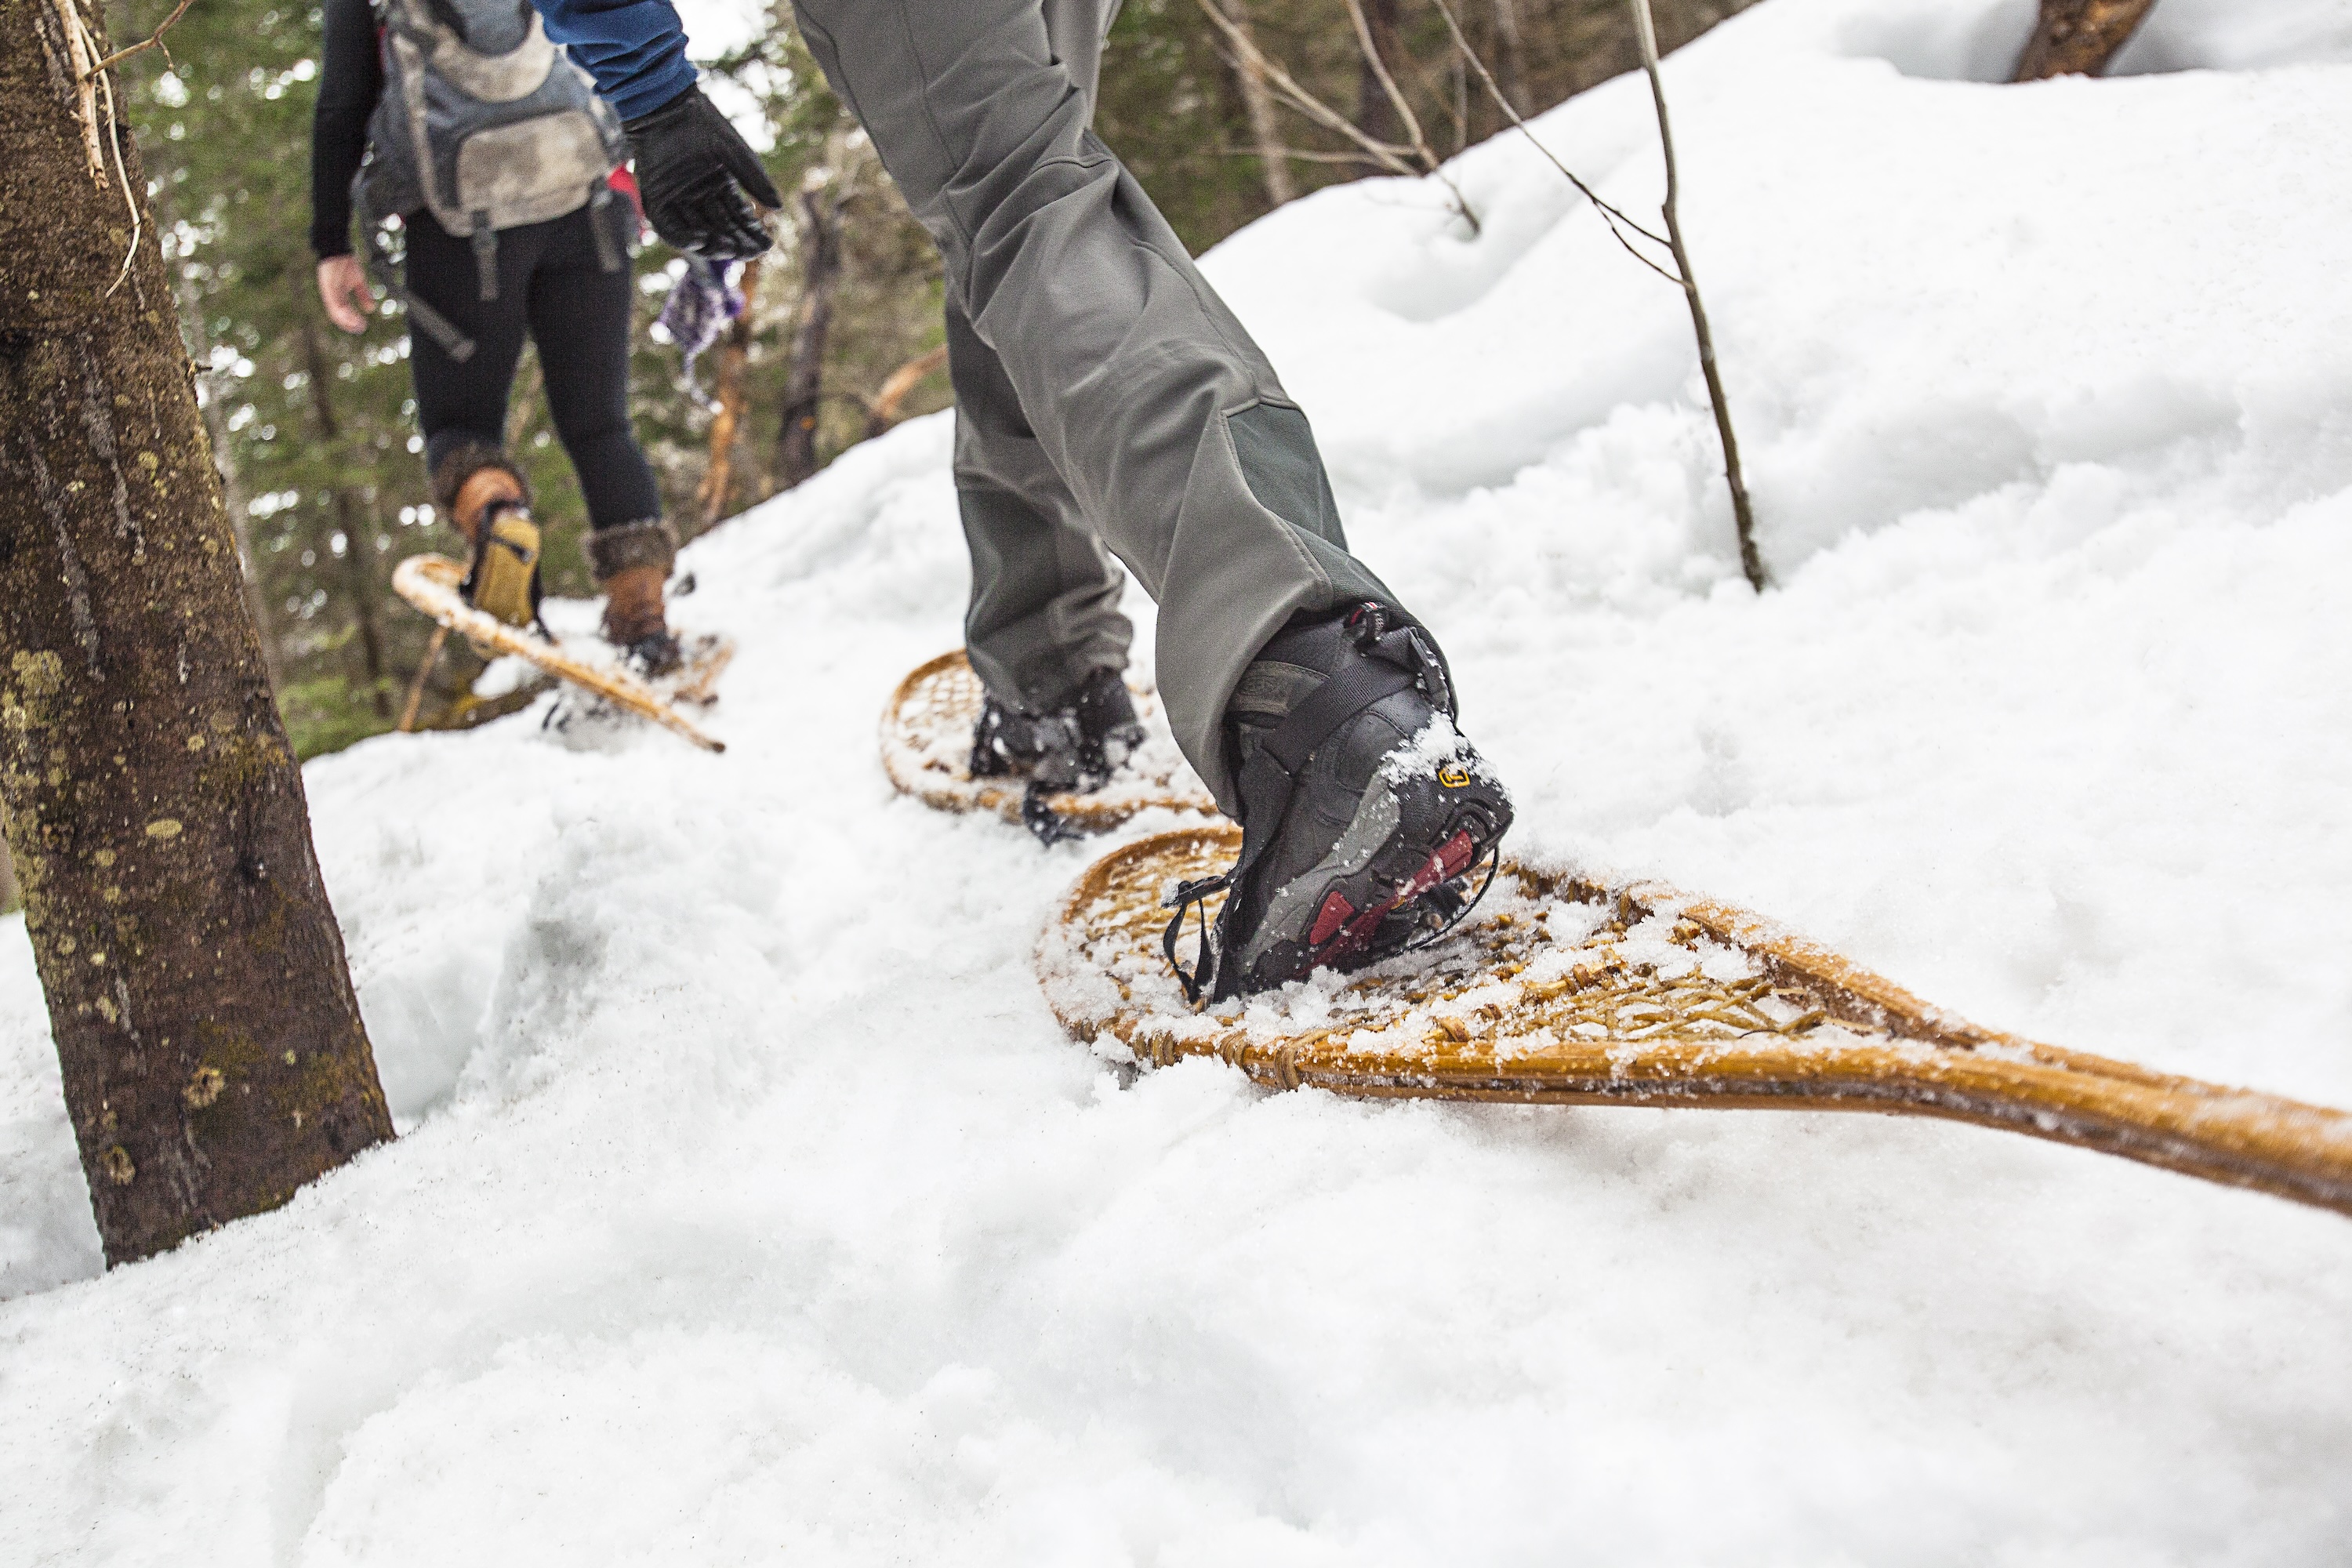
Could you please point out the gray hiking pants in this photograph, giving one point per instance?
(1106, 402)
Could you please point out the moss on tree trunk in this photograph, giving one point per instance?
(213, 1055)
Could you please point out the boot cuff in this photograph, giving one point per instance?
(612, 551)
(461, 463)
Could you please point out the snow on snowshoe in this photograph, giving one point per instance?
(1561, 990)
(433, 584)
(1082, 771)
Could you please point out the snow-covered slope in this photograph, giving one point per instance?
(750, 1208)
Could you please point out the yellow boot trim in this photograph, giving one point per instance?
(504, 566)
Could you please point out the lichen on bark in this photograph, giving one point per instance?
(211, 1047)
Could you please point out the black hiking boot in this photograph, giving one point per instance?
(1363, 812)
(1075, 747)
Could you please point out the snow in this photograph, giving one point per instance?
(750, 1207)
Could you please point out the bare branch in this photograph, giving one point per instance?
(151, 41)
(1743, 515)
(1609, 214)
(1405, 116)
(94, 109)
(1386, 154)
(1430, 161)
(1257, 104)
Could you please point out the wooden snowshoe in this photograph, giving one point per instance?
(1558, 990)
(927, 751)
(430, 582)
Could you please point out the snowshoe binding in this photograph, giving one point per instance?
(1072, 749)
(1365, 815)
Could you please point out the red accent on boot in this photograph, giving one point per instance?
(1330, 917)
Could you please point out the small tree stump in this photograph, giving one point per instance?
(2078, 38)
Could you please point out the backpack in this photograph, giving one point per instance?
(487, 124)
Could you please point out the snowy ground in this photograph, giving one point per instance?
(750, 1208)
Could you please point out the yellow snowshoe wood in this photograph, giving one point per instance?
(1559, 990)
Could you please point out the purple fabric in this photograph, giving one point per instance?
(700, 304)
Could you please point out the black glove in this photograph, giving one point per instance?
(692, 171)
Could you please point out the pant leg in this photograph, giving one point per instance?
(457, 401)
(580, 316)
(1044, 590)
(1145, 393)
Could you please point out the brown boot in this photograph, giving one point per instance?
(486, 499)
(633, 562)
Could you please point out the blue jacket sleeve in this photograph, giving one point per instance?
(634, 48)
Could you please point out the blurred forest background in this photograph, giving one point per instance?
(312, 428)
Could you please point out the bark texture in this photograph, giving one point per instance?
(213, 1055)
(2078, 38)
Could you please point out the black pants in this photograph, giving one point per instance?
(551, 282)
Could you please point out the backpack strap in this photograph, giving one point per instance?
(599, 224)
(485, 256)
(437, 326)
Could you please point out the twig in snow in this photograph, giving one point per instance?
(1743, 516)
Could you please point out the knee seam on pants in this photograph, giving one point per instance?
(1288, 529)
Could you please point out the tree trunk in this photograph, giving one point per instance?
(805, 377)
(1376, 116)
(350, 520)
(2078, 38)
(233, 490)
(212, 1051)
(734, 352)
(1257, 102)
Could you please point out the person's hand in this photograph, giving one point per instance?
(342, 285)
(692, 172)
